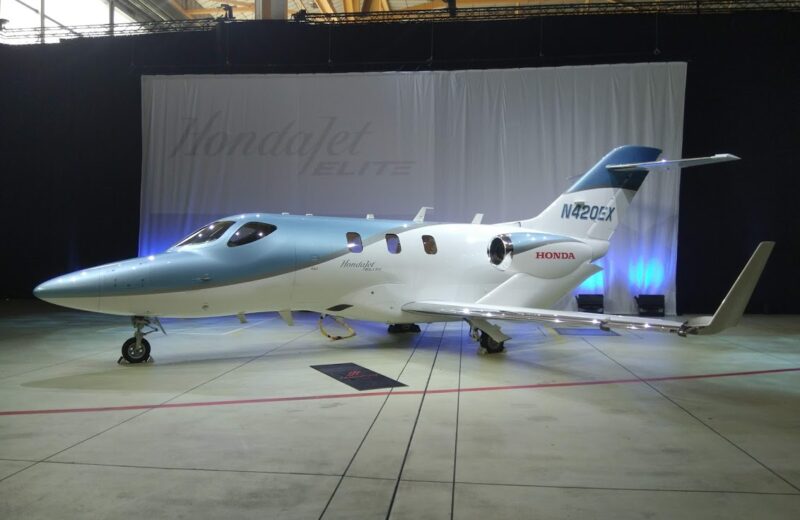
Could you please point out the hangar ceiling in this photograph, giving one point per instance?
(246, 9)
(160, 16)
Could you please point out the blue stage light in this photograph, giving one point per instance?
(595, 284)
(646, 276)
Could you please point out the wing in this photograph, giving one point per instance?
(727, 315)
(548, 316)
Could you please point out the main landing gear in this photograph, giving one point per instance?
(137, 349)
(488, 345)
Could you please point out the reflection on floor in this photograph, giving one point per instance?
(231, 421)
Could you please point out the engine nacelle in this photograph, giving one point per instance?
(537, 254)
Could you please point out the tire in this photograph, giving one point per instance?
(134, 355)
(491, 346)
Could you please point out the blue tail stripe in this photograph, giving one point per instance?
(600, 177)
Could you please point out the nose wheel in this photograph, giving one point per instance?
(137, 349)
(136, 353)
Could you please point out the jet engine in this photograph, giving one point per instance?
(537, 254)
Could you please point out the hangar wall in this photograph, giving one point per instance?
(70, 138)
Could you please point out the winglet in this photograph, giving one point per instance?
(732, 307)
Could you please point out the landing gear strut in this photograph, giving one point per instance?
(137, 349)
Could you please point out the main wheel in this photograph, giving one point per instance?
(490, 345)
(132, 354)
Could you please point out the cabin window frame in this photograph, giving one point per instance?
(393, 244)
(429, 244)
(354, 242)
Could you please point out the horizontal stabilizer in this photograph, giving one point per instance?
(728, 314)
(679, 163)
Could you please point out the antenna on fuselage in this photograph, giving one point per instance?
(421, 214)
(477, 219)
(370, 216)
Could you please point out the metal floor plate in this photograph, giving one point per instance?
(357, 376)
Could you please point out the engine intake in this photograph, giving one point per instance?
(538, 254)
(500, 249)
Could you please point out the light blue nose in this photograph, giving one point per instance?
(76, 286)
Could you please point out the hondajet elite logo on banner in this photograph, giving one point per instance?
(502, 143)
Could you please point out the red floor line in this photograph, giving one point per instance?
(398, 392)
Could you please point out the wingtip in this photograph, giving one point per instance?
(733, 305)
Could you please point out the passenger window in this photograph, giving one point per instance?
(393, 243)
(249, 233)
(429, 243)
(207, 233)
(354, 242)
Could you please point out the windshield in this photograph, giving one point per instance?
(207, 233)
(249, 233)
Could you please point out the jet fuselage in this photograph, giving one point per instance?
(354, 268)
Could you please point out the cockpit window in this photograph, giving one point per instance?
(207, 233)
(250, 232)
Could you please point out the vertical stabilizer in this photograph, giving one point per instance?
(593, 206)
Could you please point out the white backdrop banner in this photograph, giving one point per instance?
(500, 142)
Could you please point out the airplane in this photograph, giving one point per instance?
(394, 271)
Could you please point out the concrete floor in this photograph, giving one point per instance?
(249, 430)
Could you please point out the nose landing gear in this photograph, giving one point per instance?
(137, 349)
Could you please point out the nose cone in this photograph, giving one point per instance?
(78, 290)
(41, 291)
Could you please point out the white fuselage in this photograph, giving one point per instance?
(371, 284)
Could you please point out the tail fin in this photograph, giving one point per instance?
(595, 204)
